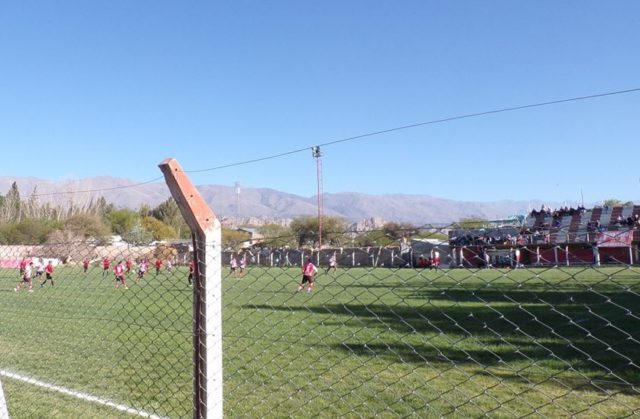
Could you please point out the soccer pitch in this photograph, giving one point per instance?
(366, 342)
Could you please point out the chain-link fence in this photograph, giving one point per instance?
(483, 323)
(95, 331)
(432, 335)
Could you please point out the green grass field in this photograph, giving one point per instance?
(367, 342)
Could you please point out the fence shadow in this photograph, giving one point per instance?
(589, 339)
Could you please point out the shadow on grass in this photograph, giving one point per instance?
(584, 339)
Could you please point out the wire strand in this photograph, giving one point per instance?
(113, 188)
(419, 124)
(357, 137)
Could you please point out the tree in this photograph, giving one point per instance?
(306, 231)
(87, 226)
(11, 205)
(276, 235)
(122, 221)
(390, 233)
(372, 238)
(169, 213)
(612, 202)
(101, 208)
(137, 235)
(158, 229)
(396, 231)
(233, 239)
(27, 231)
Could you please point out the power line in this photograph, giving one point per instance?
(359, 137)
(113, 188)
(419, 124)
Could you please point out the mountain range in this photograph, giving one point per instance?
(269, 204)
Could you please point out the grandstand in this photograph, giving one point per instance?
(567, 236)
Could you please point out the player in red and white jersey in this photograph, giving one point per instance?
(308, 271)
(106, 263)
(22, 266)
(233, 265)
(436, 260)
(243, 264)
(49, 274)
(26, 278)
(118, 272)
(142, 269)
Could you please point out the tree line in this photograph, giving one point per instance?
(29, 221)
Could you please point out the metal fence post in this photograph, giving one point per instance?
(207, 291)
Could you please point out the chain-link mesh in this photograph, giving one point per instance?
(484, 322)
(506, 327)
(78, 342)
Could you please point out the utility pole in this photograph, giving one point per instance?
(237, 189)
(317, 154)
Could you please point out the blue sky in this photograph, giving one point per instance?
(111, 88)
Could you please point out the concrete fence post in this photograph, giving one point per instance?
(207, 291)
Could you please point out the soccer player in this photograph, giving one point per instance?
(22, 266)
(26, 278)
(142, 269)
(308, 270)
(333, 263)
(158, 265)
(243, 263)
(435, 263)
(106, 263)
(192, 270)
(49, 274)
(118, 272)
(39, 268)
(85, 265)
(233, 264)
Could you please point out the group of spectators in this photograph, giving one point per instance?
(630, 221)
(487, 239)
(541, 231)
(558, 213)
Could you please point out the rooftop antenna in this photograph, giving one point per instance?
(317, 154)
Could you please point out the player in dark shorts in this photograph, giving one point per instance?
(308, 270)
(26, 278)
(192, 269)
(106, 263)
(39, 268)
(118, 272)
(49, 274)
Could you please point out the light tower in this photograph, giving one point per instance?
(317, 154)
(237, 189)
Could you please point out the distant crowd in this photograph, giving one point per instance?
(558, 213)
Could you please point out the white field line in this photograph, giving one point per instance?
(79, 395)
(4, 412)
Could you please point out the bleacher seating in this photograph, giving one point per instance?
(574, 228)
